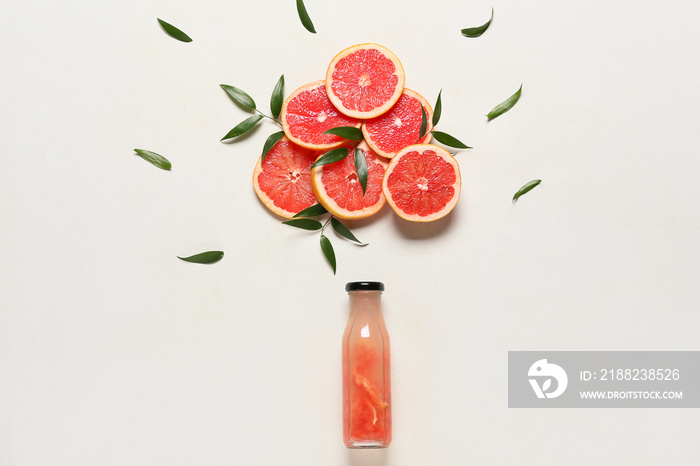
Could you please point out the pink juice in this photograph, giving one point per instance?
(366, 370)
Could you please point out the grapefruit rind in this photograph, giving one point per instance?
(374, 180)
(276, 205)
(386, 56)
(399, 162)
(375, 129)
(306, 115)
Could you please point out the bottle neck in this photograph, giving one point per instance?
(370, 300)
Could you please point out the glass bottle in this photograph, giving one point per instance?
(366, 369)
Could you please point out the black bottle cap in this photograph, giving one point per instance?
(364, 286)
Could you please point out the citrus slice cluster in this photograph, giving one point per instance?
(364, 89)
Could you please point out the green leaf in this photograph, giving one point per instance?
(327, 249)
(304, 224)
(304, 17)
(438, 109)
(156, 159)
(344, 231)
(361, 168)
(423, 122)
(346, 132)
(479, 30)
(331, 156)
(526, 188)
(313, 211)
(208, 257)
(174, 32)
(504, 106)
(272, 139)
(243, 127)
(239, 96)
(448, 140)
(277, 98)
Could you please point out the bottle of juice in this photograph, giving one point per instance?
(366, 370)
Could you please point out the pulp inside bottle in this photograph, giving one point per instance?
(366, 382)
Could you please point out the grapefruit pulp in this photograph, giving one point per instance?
(369, 415)
(338, 188)
(307, 113)
(422, 183)
(365, 80)
(400, 126)
(283, 180)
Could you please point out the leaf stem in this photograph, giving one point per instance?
(268, 117)
(323, 228)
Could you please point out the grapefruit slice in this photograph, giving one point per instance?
(308, 112)
(338, 188)
(422, 183)
(400, 126)
(283, 180)
(365, 80)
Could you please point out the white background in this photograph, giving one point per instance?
(114, 352)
